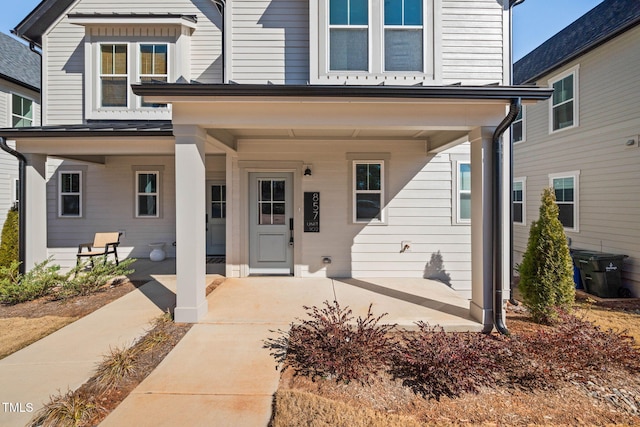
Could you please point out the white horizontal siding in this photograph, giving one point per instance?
(609, 199)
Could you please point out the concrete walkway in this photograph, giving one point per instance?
(67, 358)
(220, 374)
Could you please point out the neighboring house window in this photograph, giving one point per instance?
(70, 194)
(564, 106)
(21, 111)
(463, 192)
(368, 185)
(147, 194)
(518, 127)
(15, 196)
(565, 187)
(403, 35)
(113, 75)
(153, 67)
(218, 201)
(519, 201)
(348, 35)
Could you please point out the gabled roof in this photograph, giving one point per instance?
(602, 23)
(36, 23)
(18, 64)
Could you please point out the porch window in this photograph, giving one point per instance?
(464, 192)
(21, 111)
(113, 75)
(403, 35)
(565, 187)
(218, 201)
(70, 194)
(519, 188)
(153, 67)
(348, 35)
(368, 184)
(147, 194)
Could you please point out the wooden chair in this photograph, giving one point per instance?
(103, 244)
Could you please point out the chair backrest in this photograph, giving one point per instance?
(101, 239)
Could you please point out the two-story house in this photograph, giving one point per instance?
(583, 142)
(331, 138)
(19, 107)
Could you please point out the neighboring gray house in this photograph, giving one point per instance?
(584, 141)
(282, 134)
(19, 107)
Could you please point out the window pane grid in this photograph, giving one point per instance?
(218, 201)
(368, 189)
(70, 196)
(113, 77)
(21, 111)
(153, 67)
(271, 202)
(563, 103)
(147, 193)
(348, 35)
(565, 200)
(464, 192)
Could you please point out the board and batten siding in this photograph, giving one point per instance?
(609, 194)
(270, 41)
(472, 42)
(64, 62)
(419, 209)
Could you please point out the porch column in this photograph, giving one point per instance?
(191, 302)
(35, 210)
(481, 226)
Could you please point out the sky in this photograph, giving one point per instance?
(534, 21)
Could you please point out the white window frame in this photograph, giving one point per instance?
(458, 192)
(523, 181)
(139, 75)
(100, 76)
(157, 193)
(12, 115)
(572, 71)
(355, 191)
(523, 122)
(576, 195)
(79, 193)
(348, 27)
(403, 26)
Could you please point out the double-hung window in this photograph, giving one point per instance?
(565, 187)
(464, 192)
(153, 67)
(519, 202)
(21, 111)
(147, 194)
(518, 127)
(70, 194)
(564, 106)
(368, 185)
(348, 35)
(403, 35)
(114, 78)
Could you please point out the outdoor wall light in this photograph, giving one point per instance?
(307, 170)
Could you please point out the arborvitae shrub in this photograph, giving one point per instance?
(546, 271)
(9, 240)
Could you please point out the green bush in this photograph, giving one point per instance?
(546, 272)
(81, 281)
(10, 239)
(38, 282)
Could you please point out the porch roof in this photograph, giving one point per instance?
(109, 129)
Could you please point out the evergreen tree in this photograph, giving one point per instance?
(10, 239)
(546, 271)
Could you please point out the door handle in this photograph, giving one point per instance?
(290, 231)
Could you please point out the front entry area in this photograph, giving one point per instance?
(271, 223)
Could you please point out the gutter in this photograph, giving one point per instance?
(498, 176)
(22, 220)
(221, 5)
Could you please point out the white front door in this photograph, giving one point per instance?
(270, 223)
(216, 217)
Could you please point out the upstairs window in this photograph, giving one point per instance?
(517, 128)
(21, 111)
(564, 106)
(403, 35)
(153, 67)
(113, 75)
(348, 35)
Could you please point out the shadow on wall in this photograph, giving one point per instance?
(434, 269)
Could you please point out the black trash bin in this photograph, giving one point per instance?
(601, 273)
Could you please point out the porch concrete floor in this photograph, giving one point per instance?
(220, 374)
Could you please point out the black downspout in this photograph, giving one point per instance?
(22, 220)
(32, 47)
(221, 5)
(498, 176)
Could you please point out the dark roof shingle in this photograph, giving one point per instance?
(600, 24)
(18, 64)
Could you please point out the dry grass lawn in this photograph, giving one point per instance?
(627, 322)
(19, 332)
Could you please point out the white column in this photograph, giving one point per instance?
(231, 247)
(35, 209)
(481, 226)
(191, 302)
